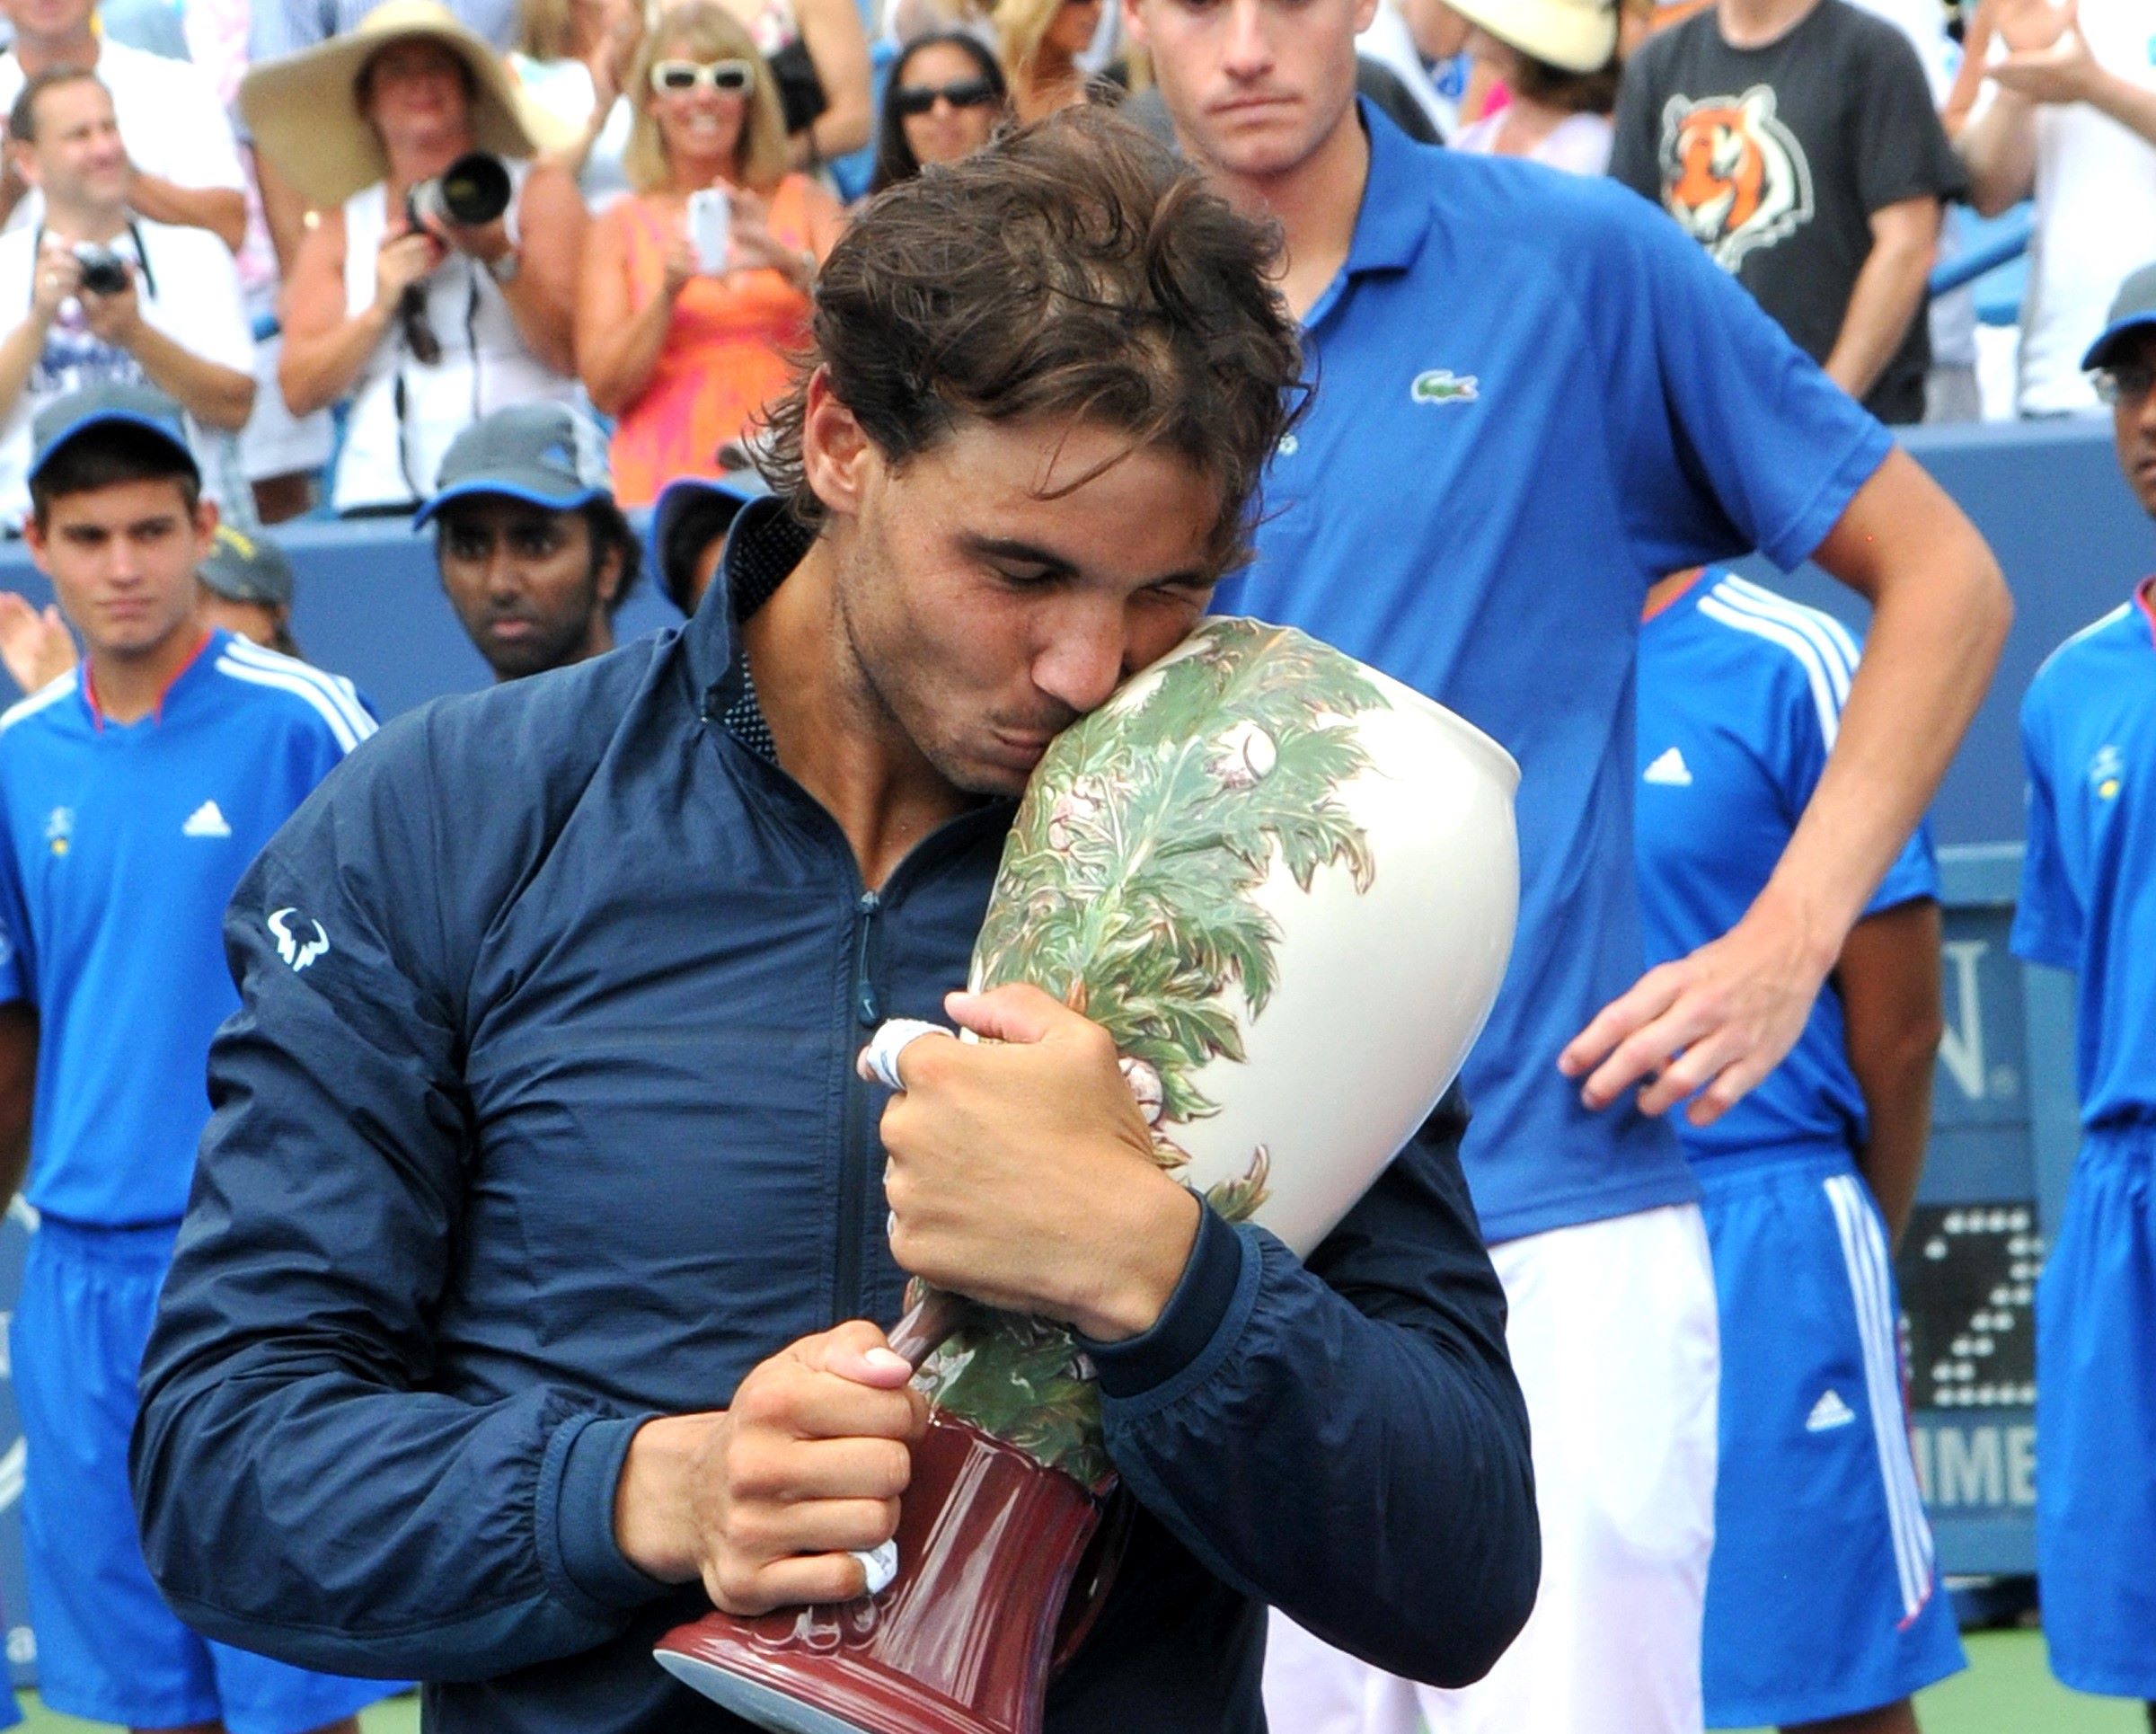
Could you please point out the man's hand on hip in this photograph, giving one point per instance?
(1021, 1173)
(1714, 1023)
(769, 1502)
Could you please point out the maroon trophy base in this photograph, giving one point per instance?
(961, 1642)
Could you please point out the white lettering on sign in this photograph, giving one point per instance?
(1980, 1467)
(1961, 1046)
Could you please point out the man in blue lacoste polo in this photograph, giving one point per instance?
(1534, 397)
(134, 791)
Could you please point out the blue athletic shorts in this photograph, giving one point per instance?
(1822, 1598)
(108, 1647)
(2096, 1421)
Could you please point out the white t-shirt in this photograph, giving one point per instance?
(2096, 215)
(170, 120)
(190, 291)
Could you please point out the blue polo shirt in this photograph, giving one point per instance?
(1534, 396)
(2089, 876)
(1740, 698)
(119, 847)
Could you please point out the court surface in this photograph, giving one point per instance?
(2007, 1690)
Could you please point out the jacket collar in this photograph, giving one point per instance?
(763, 547)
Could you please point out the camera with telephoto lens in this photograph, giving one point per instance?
(471, 192)
(104, 271)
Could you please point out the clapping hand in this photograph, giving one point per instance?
(2050, 60)
(36, 648)
(755, 246)
(59, 276)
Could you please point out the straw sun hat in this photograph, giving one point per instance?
(304, 109)
(1577, 35)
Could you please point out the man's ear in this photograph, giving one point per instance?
(837, 455)
(609, 584)
(24, 156)
(205, 528)
(1134, 23)
(33, 538)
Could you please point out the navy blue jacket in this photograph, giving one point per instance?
(561, 1131)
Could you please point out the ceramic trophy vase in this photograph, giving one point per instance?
(1285, 885)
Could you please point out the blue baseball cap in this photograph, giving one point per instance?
(2133, 310)
(108, 406)
(690, 514)
(545, 454)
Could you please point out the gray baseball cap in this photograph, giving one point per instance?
(106, 406)
(240, 567)
(546, 454)
(2133, 310)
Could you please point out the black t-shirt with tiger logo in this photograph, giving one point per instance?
(1775, 158)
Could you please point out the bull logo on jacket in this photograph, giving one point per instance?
(1732, 174)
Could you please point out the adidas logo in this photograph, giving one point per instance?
(1670, 769)
(1829, 1412)
(205, 820)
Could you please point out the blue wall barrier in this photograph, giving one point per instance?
(2050, 499)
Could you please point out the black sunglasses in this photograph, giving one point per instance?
(915, 100)
(2130, 384)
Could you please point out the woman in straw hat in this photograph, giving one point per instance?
(684, 358)
(1559, 61)
(425, 325)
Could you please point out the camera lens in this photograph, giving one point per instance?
(104, 271)
(473, 190)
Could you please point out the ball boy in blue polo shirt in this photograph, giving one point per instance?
(2089, 904)
(1534, 397)
(1822, 1596)
(134, 791)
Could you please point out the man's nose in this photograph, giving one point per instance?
(503, 574)
(1081, 663)
(1247, 52)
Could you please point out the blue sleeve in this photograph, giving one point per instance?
(1383, 1496)
(18, 948)
(2049, 921)
(1812, 688)
(415, 1534)
(280, 27)
(1727, 437)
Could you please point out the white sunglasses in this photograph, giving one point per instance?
(732, 77)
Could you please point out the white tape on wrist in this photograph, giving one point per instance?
(879, 1062)
(881, 1564)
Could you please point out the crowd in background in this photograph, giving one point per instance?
(270, 182)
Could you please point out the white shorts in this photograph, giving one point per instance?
(1613, 1336)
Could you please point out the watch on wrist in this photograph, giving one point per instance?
(502, 267)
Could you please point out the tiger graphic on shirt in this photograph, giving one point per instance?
(1732, 174)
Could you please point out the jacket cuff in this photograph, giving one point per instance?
(1190, 1322)
(575, 1515)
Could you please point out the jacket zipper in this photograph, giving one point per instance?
(849, 1301)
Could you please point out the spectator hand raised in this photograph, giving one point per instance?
(35, 648)
(679, 266)
(2027, 25)
(2059, 70)
(402, 259)
(115, 318)
(756, 247)
(59, 276)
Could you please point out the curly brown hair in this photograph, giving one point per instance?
(1074, 269)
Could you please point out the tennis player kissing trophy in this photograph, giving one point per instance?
(1285, 885)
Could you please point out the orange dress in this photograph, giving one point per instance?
(725, 353)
